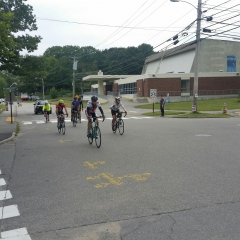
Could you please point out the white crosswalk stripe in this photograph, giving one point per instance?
(16, 234)
(69, 120)
(5, 195)
(9, 211)
(2, 182)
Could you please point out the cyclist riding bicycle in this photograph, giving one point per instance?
(59, 109)
(75, 107)
(46, 109)
(115, 110)
(80, 99)
(90, 112)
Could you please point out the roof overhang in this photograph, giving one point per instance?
(109, 78)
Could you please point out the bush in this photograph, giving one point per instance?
(53, 93)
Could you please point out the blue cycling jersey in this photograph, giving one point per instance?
(75, 104)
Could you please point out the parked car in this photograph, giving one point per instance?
(24, 96)
(33, 97)
(38, 106)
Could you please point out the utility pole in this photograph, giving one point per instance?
(74, 70)
(195, 84)
(43, 89)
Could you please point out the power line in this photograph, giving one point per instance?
(113, 34)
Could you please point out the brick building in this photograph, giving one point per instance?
(172, 72)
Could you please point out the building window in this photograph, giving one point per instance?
(231, 63)
(128, 88)
(185, 86)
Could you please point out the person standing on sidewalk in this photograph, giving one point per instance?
(162, 106)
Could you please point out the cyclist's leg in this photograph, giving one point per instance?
(71, 114)
(113, 117)
(48, 115)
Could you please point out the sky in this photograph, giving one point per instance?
(109, 23)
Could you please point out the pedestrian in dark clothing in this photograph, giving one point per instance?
(162, 106)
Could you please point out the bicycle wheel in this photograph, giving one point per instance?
(121, 126)
(74, 120)
(79, 116)
(90, 138)
(98, 136)
(114, 129)
(60, 129)
(63, 128)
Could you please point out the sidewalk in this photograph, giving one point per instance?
(7, 129)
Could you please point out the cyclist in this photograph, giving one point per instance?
(46, 109)
(90, 112)
(75, 107)
(59, 109)
(80, 99)
(115, 110)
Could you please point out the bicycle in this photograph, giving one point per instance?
(62, 126)
(46, 116)
(119, 124)
(79, 116)
(95, 133)
(74, 118)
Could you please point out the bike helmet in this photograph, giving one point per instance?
(117, 98)
(94, 98)
(46, 103)
(61, 101)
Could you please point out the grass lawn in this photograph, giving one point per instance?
(177, 114)
(155, 114)
(2, 108)
(202, 105)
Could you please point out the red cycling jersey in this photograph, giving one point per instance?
(60, 108)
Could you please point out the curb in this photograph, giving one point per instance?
(8, 139)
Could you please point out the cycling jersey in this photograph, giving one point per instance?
(46, 108)
(115, 106)
(76, 104)
(60, 108)
(91, 108)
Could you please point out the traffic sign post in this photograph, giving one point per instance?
(153, 95)
(10, 95)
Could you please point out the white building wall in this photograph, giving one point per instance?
(179, 63)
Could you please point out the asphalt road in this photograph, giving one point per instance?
(164, 178)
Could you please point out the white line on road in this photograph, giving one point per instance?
(39, 121)
(83, 120)
(16, 234)
(203, 135)
(9, 211)
(5, 195)
(2, 182)
(26, 122)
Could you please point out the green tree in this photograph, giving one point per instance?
(3, 84)
(16, 17)
(53, 93)
(31, 72)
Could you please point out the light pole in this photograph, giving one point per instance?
(10, 91)
(195, 83)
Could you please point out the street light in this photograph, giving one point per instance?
(195, 83)
(42, 87)
(10, 91)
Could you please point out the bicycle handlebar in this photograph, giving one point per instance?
(125, 114)
(98, 117)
